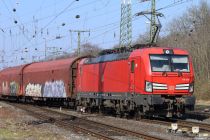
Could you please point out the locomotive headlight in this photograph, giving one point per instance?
(148, 86)
(191, 88)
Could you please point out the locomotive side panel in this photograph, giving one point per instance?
(106, 77)
(88, 78)
(115, 76)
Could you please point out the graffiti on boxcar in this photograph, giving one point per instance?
(5, 88)
(14, 88)
(54, 89)
(34, 90)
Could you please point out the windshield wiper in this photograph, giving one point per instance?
(179, 73)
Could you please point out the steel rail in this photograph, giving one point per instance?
(202, 126)
(63, 124)
(125, 131)
(83, 129)
(199, 113)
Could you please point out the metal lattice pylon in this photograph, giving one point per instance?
(126, 24)
(153, 20)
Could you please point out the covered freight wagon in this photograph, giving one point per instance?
(11, 81)
(52, 79)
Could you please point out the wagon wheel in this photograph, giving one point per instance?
(101, 110)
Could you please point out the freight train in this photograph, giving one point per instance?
(141, 80)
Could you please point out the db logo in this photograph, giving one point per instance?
(171, 88)
(167, 51)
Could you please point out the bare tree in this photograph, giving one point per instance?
(191, 31)
(90, 49)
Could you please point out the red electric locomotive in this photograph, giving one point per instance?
(151, 80)
(141, 80)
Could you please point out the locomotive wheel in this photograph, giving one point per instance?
(139, 115)
(101, 110)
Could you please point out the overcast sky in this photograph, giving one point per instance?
(26, 25)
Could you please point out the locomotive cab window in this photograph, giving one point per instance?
(160, 63)
(132, 66)
(169, 63)
(180, 63)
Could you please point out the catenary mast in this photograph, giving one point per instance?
(126, 24)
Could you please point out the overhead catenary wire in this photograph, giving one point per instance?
(14, 19)
(102, 34)
(42, 28)
(107, 27)
(60, 13)
(54, 15)
(115, 27)
(98, 27)
(166, 7)
(174, 4)
(96, 15)
(75, 8)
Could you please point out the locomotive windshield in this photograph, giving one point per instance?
(169, 63)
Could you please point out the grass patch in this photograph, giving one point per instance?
(6, 134)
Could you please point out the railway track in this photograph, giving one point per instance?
(202, 126)
(199, 114)
(96, 129)
(181, 123)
